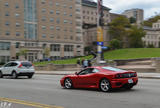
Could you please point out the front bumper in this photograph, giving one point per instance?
(123, 82)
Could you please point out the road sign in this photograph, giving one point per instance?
(100, 43)
(104, 47)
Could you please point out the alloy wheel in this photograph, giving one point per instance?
(14, 75)
(68, 83)
(105, 85)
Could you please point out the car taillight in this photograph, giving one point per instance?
(135, 74)
(20, 66)
(32, 64)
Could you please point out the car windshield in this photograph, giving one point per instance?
(26, 64)
(113, 69)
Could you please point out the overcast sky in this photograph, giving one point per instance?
(150, 7)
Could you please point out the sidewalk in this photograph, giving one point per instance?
(140, 75)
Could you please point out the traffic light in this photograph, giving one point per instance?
(101, 21)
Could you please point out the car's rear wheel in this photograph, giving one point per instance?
(1, 74)
(14, 75)
(68, 83)
(105, 85)
(30, 76)
(129, 87)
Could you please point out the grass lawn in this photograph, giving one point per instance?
(67, 61)
(133, 53)
(130, 53)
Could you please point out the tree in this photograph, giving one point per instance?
(152, 20)
(47, 52)
(135, 37)
(115, 44)
(150, 46)
(22, 53)
(118, 29)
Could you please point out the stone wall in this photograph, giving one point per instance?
(56, 67)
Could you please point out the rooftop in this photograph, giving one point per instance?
(91, 3)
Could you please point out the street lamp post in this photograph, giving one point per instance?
(99, 29)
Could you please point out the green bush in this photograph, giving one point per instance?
(115, 44)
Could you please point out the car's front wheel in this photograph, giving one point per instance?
(68, 83)
(1, 74)
(14, 75)
(30, 76)
(105, 85)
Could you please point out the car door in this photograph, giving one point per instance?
(86, 78)
(6, 68)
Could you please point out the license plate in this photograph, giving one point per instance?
(130, 81)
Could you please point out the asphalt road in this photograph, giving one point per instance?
(45, 91)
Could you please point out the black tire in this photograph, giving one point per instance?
(30, 76)
(1, 74)
(68, 83)
(14, 75)
(104, 85)
(128, 87)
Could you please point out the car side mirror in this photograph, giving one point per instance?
(76, 73)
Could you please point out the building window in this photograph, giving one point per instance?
(51, 27)
(43, 1)
(43, 27)
(65, 13)
(50, 3)
(70, 15)
(43, 10)
(57, 4)
(58, 20)
(64, 5)
(70, 22)
(78, 10)
(6, 4)
(51, 36)
(17, 15)
(43, 18)
(71, 37)
(7, 23)
(70, 7)
(16, 6)
(55, 47)
(7, 14)
(17, 44)
(58, 28)
(51, 12)
(65, 21)
(17, 33)
(43, 35)
(51, 20)
(57, 12)
(68, 48)
(4, 46)
(7, 33)
(17, 24)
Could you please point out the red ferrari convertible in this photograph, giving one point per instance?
(100, 77)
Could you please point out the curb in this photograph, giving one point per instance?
(149, 77)
(51, 74)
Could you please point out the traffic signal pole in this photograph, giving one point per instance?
(99, 29)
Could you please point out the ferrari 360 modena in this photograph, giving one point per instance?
(101, 77)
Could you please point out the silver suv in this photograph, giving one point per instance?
(17, 68)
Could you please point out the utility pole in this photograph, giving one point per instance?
(99, 29)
